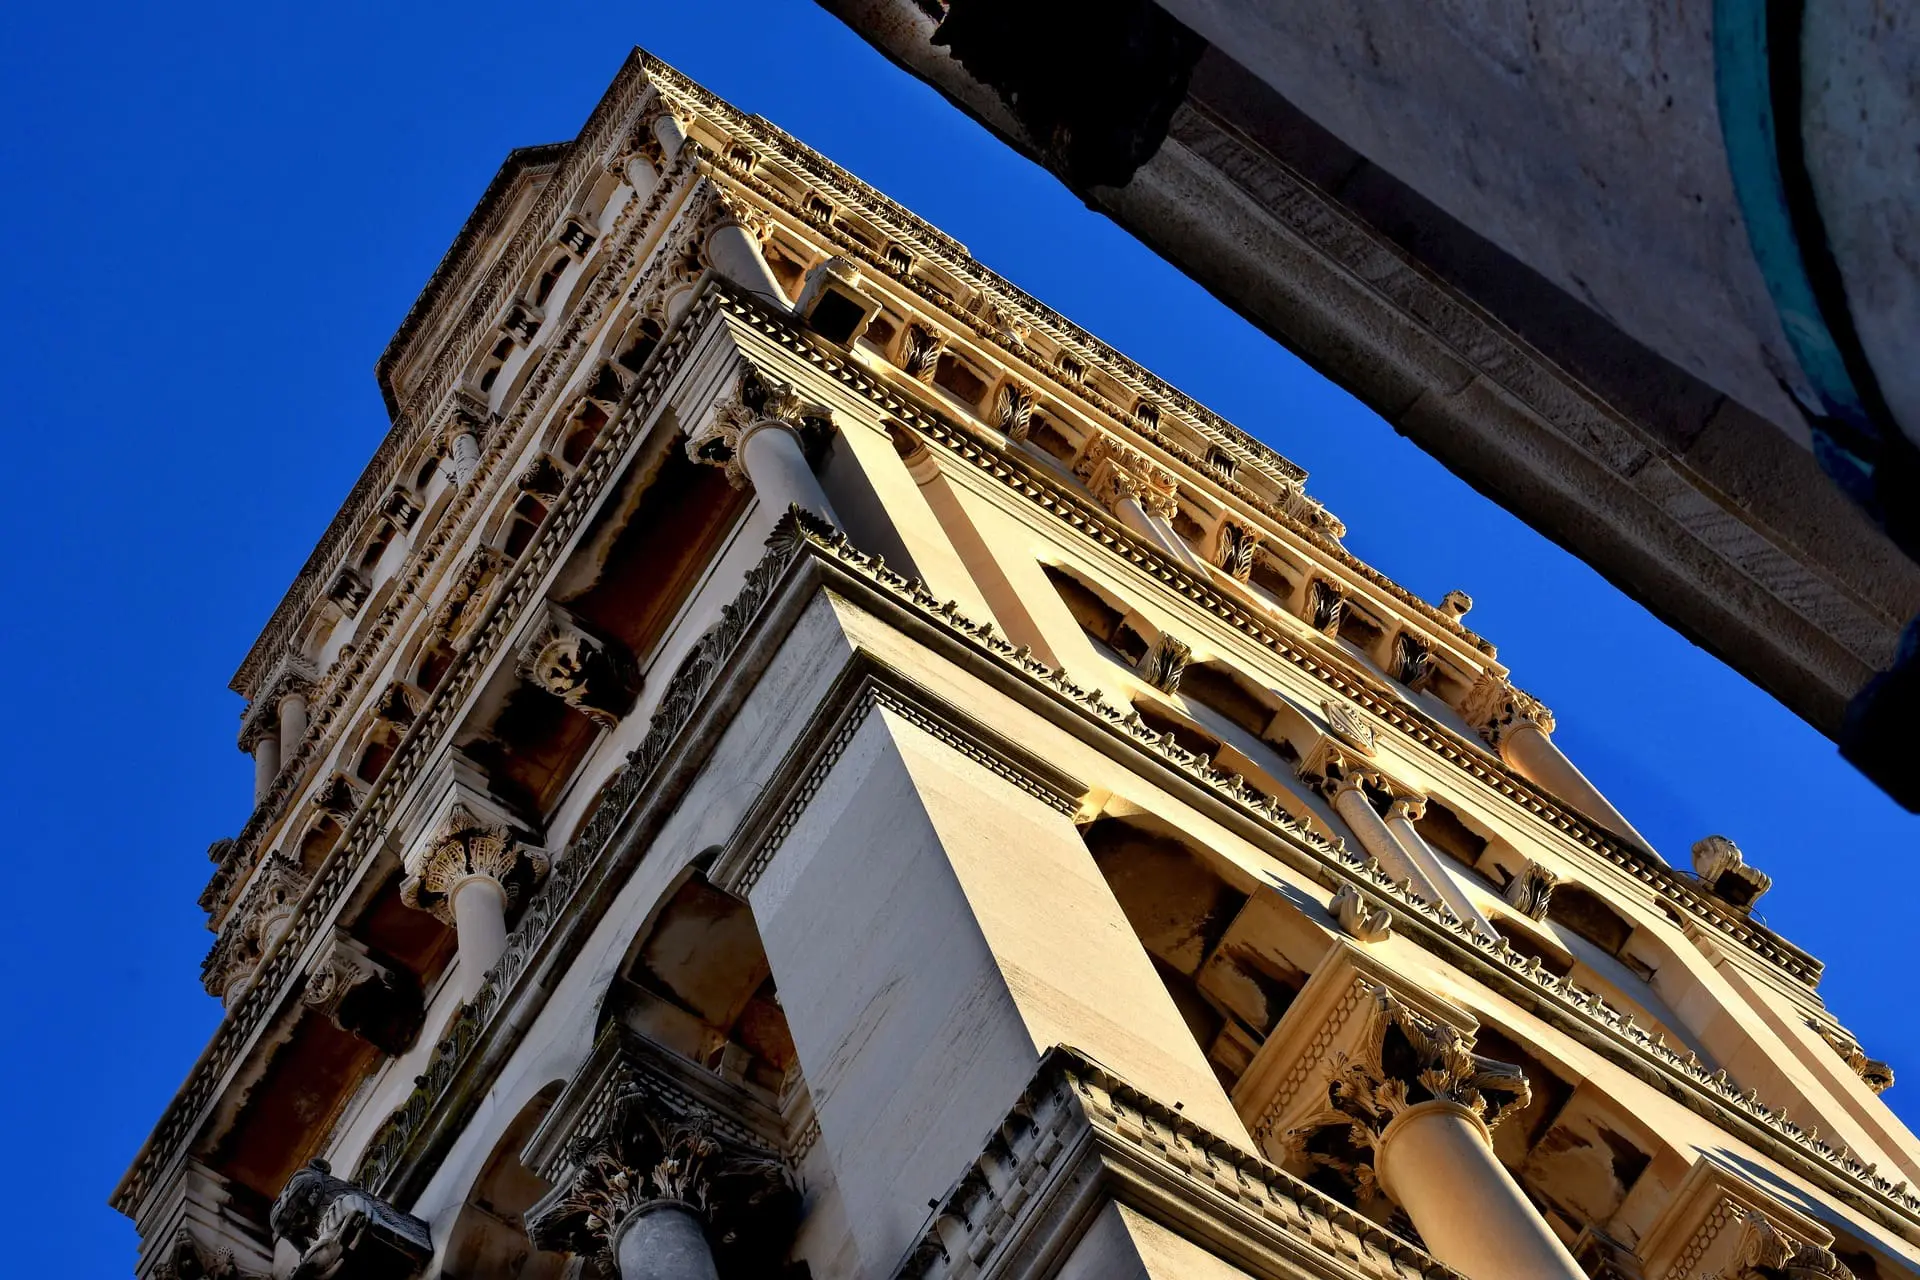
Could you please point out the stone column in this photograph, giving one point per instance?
(261, 740)
(1520, 728)
(660, 1193)
(754, 435)
(1387, 1094)
(468, 873)
(293, 722)
(1402, 813)
(734, 252)
(463, 454)
(1436, 1158)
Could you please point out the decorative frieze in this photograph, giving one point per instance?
(341, 1231)
(593, 676)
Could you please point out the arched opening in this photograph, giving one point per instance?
(544, 284)
(524, 521)
(489, 1236)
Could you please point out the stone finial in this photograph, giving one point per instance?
(587, 673)
(1531, 891)
(464, 846)
(1358, 917)
(653, 1149)
(1164, 662)
(340, 1229)
(1724, 870)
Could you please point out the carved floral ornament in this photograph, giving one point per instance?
(653, 1149)
(464, 846)
(1401, 1059)
(1495, 709)
(755, 403)
(1116, 472)
(1531, 890)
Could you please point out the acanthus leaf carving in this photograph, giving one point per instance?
(1530, 891)
(464, 846)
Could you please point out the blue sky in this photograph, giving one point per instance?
(214, 219)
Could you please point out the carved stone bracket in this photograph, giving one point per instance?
(203, 1227)
(360, 995)
(1531, 890)
(1326, 606)
(1875, 1074)
(920, 348)
(344, 1231)
(589, 674)
(1164, 662)
(462, 846)
(1348, 727)
(1359, 918)
(1115, 472)
(1724, 870)
(1495, 708)
(1013, 409)
(653, 1149)
(1234, 548)
(1718, 1226)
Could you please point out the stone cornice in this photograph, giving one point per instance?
(1080, 1136)
(1011, 471)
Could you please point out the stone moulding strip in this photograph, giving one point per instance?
(1428, 733)
(628, 247)
(1080, 1137)
(366, 832)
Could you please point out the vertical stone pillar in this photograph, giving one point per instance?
(1402, 813)
(663, 1240)
(935, 925)
(468, 873)
(734, 252)
(266, 763)
(293, 722)
(755, 435)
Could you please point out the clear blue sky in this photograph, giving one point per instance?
(215, 216)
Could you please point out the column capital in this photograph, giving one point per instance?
(1495, 709)
(1116, 472)
(1724, 870)
(1719, 1226)
(463, 845)
(341, 1229)
(1358, 1048)
(255, 924)
(654, 1149)
(755, 403)
(591, 675)
(1406, 807)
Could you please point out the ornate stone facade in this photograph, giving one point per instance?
(814, 680)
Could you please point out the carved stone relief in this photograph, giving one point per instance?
(591, 675)
(344, 1232)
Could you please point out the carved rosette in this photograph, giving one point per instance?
(1164, 662)
(345, 1231)
(1495, 709)
(462, 847)
(1724, 870)
(1531, 891)
(1400, 1060)
(588, 674)
(1116, 472)
(654, 1150)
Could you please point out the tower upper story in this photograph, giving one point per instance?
(681, 370)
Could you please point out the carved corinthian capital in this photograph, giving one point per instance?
(1116, 472)
(587, 673)
(1495, 709)
(654, 1150)
(362, 996)
(463, 846)
(755, 402)
(342, 1230)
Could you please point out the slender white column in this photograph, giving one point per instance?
(1436, 1158)
(480, 920)
(266, 765)
(669, 132)
(1357, 812)
(663, 1240)
(293, 724)
(776, 465)
(736, 255)
(1401, 815)
(464, 456)
(1528, 749)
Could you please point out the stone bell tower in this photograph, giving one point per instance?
(795, 760)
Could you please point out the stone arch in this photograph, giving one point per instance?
(488, 1240)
